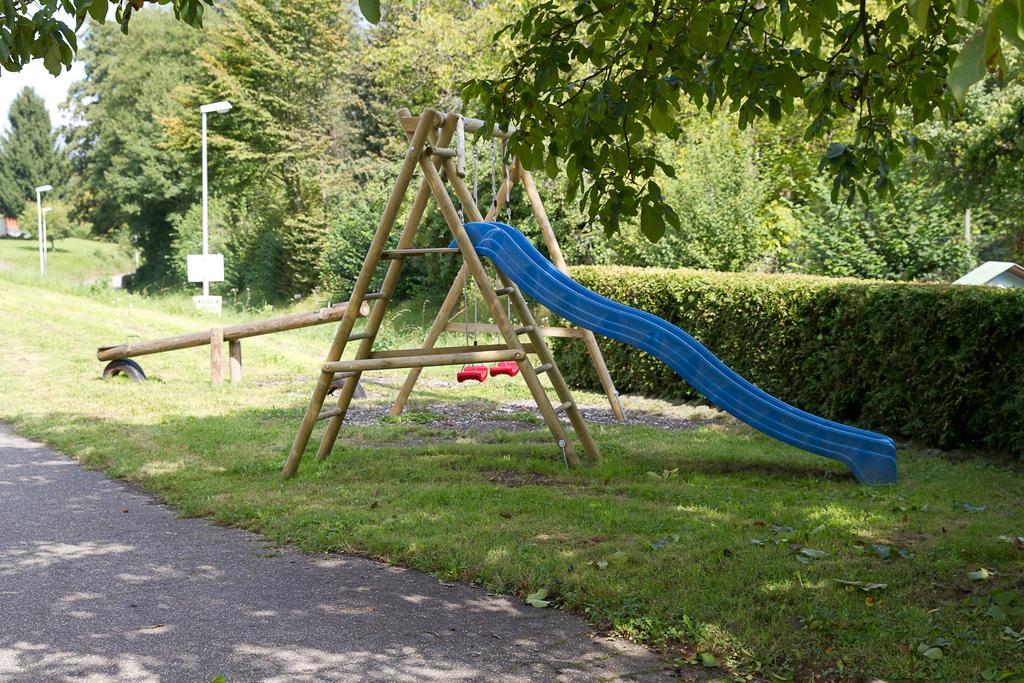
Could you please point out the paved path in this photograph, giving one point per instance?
(99, 582)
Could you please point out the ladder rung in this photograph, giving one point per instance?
(525, 329)
(564, 407)
(325, 414)
(359, 335)
(504, 291)
(446, 152)
(543, 368)
(400, 253)
(373, 296)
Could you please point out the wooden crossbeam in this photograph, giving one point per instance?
(425, 361)
(401, 353)
(400, 253)
(470, 328)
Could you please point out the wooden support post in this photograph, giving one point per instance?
(235, 360)
(554, 374)
(556, 257)
(413, 154)
(217, 356)
(405, 241)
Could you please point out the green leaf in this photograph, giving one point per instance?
(537, 598)
(978, 54)
(551, 166)
(932, 653)
(98, 10)
(996, 612)
(708, 659)
(813, 553)
(652, 222)
(1009, 17)
(919, 10)
(663, 122)
(370, 10)
(51, 59)
(835, 150)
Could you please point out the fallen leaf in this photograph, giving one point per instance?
(537, 598)
(812, 553)
(1017, 541)
(864, 586)
(708, 659)
(980, 575)
(967, 507)
(883, 551)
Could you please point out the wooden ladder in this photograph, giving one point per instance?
(428, 149)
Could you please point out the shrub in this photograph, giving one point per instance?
(941, 364)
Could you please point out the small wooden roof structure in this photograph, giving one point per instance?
(995, 274)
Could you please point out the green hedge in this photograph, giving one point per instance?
(939, 364)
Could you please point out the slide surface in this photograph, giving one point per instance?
(870, 456)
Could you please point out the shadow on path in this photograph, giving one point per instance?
(100, 582)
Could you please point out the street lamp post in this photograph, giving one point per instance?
(39, 212)
(217, 108)
(46, 257)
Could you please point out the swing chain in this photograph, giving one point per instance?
(494, 180)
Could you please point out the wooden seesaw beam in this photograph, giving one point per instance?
(233, 334)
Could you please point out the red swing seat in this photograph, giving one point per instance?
(475, 373)
(505, 367)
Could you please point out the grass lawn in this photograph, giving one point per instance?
(710, 540)
(73, 261)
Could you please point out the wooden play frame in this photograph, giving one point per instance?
(430, 135)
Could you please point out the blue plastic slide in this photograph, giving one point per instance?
(870, 456)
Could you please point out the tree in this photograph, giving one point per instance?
(29, 154)
(35, 30)
(60, 221)
(980, 160)
(594, 83)
(127, 177)
(285, 67)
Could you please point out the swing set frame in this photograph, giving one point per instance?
(430, 135)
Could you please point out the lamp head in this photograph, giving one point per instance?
(216, 107)
(44, 188)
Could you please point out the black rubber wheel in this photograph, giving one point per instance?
(126, 367)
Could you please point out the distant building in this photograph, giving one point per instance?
(11, 228)
(995, 274)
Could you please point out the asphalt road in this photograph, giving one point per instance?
(99, 582)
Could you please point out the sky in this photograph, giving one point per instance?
(53, 90)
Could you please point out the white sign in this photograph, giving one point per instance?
(210, 304)
(206, 268)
